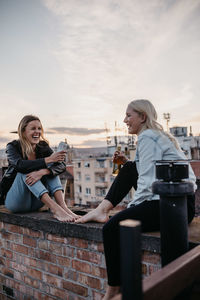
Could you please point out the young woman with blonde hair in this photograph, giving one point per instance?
(153, 144)
(33, 170)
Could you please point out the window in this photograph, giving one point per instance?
(100, 192)
(100, 163)
(80, 189)
(79, 176)
(87, 177)
(100, 177)
(88, 191)
(79, 164)
(86, 164)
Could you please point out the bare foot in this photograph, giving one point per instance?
(71, 212)
(111, 291)
(96, 215)
(61, 215)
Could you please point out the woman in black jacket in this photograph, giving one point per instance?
(32, 172)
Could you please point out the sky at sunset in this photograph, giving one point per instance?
(77, 64)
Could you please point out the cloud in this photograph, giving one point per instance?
(92, 143)
(115, 51)
(73, 131)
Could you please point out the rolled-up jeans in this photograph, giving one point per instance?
(26, 198)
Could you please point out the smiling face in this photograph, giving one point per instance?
(134, 121)
(33, 132)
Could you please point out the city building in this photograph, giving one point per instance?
(189, 144)
(93, 175)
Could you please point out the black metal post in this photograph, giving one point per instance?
(173, 208)
(131, 270)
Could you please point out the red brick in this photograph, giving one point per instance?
(81, 266)
(55, 238)
(75, 288)
(70, 241)
(43, 287)
(32, 233)
(53, 269)
(32, 252)
(96, 246)
(52, 280)
(63, 261)
(89, 256)
(6, 253)
(2, 261)
(20, 248)
(18, 275)
(42, 265)
(43, 244)
(89, 281)
(14, 228)
(68, 251)
(99, 272)
(18, 267)
(30, 261)
(55, 248)
(7, 272)
(32, 282)
(60, 294)
(34, 273)
(10, 236)
(75, 297)
(29, 241)
(70, 274)
(39, 296)
(81, 243)
(46, 256)
(18, 257)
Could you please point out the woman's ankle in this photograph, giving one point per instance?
(105, 206)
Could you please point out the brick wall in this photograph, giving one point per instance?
(35, 264)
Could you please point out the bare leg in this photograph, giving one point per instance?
(111, 291)
(60, 200)
(99, 214)
(58, 212)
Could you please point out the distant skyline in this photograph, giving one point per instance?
(77, 64)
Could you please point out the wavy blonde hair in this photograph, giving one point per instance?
(146, 108)
(26, 146)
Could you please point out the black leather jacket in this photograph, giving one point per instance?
(16, 163)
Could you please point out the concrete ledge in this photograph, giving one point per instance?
(43, 221)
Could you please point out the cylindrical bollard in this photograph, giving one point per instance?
(131, 270)
(173, 207)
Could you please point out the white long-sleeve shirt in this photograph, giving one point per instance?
(153, 145)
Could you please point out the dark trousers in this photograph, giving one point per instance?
(148, 212)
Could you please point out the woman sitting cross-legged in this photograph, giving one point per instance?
(33, 170)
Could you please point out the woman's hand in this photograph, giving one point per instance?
(56, 157)
(33, 177)
(119, 158)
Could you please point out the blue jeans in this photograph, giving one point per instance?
(26, 198)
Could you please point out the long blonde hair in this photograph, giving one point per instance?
(26, 146)
(146, 108)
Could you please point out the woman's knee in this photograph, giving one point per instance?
(12, 204)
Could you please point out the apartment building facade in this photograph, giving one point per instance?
(92, 178)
